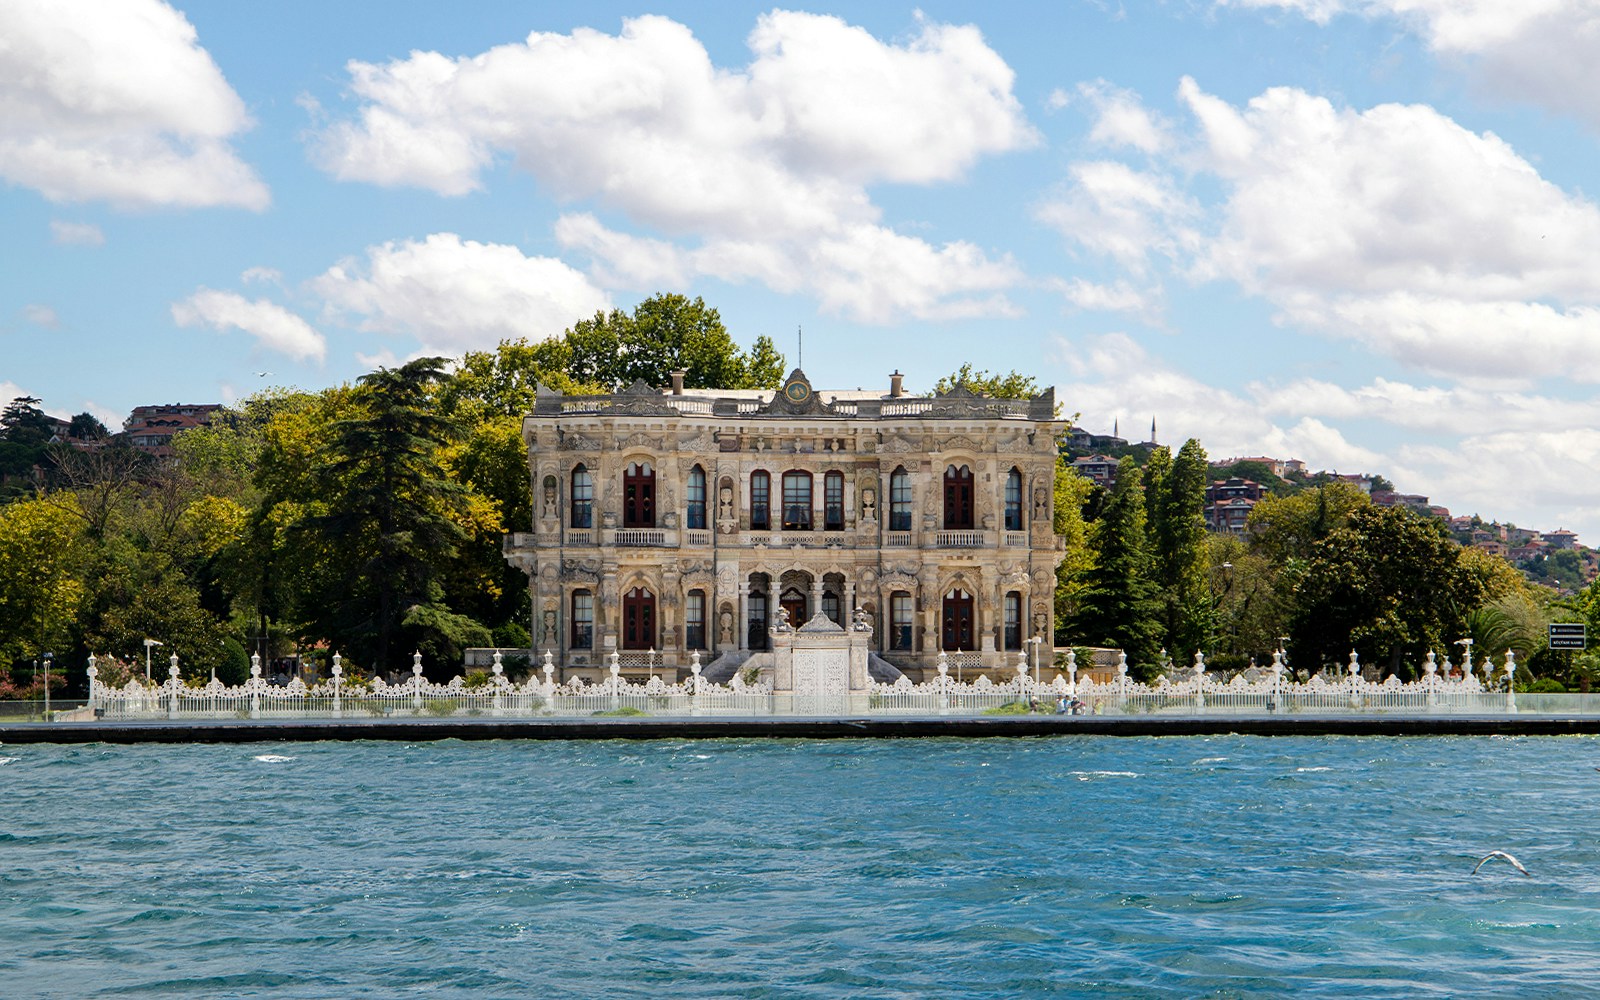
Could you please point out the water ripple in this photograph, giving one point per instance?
(1149, 868)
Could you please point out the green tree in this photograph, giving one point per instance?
(1072, 493)
(662, 334)
(25, 434)
(1253, 601)
(1011, 385)
(665, 333)
(506, 380)
(1285, 528)
(390, 516)
(1175, 499)
(41, 586)
(87, 427)
(1117, 604)
(1389, 584)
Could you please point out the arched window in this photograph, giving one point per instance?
(1014, 500)
(900, 620)
(639, 496)
(900, 500)
(958, 498)
(756, 604)
(830, 607)
(958, 628)
(833, 502)
(694, 620)
(639, 619)
(1013, 631)
(797, 501)
(760, 502)
(582, 620)
(696, 514)
(582, 498)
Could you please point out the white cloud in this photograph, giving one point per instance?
(1119, 296)
(267, 275)
(41, 315)
(1431, 409)
(1121, 119)
(111, 418)
(82, 234)
(1126, 214)
(1395, 226)
(117, 102)
(1534, 481)
(457, 295)
(1536, 50)
(275, 327)
(766, 166)
(1118, 380)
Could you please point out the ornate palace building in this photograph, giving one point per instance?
(673, 520)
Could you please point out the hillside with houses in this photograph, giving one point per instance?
(1554, 558)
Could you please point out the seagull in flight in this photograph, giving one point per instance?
(1502, 854)
(262, 374)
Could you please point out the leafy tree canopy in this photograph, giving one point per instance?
(1011, 385)
(1387, 583)
(1285, 528)
(664, 333)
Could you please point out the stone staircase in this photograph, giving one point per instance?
(881, 670)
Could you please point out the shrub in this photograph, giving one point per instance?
(1009, 708)
(440, 706)
(626, 711)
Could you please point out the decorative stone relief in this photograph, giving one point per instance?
(698, 444)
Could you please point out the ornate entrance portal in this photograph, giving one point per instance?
(957, 631)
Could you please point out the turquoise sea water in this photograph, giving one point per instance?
(1094, 867)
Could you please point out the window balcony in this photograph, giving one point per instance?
(643, 538)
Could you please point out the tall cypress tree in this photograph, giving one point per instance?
(1117, 606)
(1178, 550)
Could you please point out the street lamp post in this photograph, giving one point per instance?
(1034, 642)
(47, 658)
(148, 645)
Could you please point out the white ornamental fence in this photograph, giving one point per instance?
(1194, 693)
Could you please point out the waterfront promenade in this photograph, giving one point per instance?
(794, 727)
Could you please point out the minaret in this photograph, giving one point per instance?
(1114, 431)
(1152, 430)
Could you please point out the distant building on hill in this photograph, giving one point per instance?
(150, 429)
(1230, 501)
(1560, 539)
(1100, 468)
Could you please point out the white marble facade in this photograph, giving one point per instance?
(669, 520)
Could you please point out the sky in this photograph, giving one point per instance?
(1360, 233)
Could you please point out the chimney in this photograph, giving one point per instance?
(896, 389)
(677, 381)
